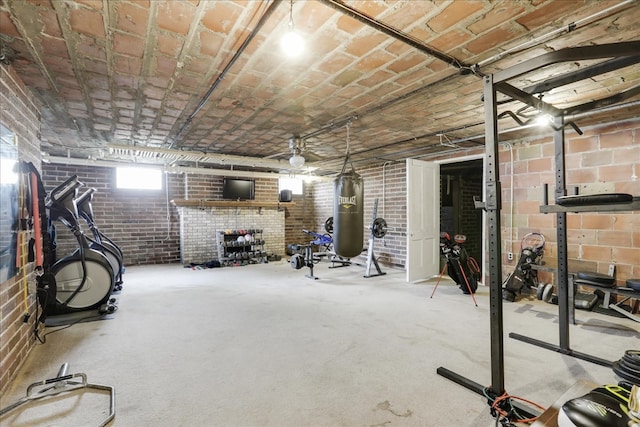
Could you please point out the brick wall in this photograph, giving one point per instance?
(471, 217)
(457, 191)
(144, 223)
(301, 216)
(603, 160)
(21, 115)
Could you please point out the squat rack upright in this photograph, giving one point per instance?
(620, 55)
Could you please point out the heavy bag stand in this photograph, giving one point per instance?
(63, 384)
(378, 229)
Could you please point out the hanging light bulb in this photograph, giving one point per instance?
(292, 43)
(543, 120)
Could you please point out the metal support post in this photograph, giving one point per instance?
(492, 205)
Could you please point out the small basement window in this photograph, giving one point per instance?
(138, 178)
(293, 184)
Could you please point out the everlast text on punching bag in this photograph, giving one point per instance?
(348, 214)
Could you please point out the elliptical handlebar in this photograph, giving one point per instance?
(61, 203)
(83, 204)
(68, 188)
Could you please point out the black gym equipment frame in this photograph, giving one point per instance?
(493, 84)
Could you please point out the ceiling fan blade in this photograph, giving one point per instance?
(281, 154)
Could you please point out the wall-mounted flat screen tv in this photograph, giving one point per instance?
(238, 189)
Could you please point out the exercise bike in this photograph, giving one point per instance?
(100, 242)
(84, 280)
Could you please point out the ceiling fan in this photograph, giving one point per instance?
(298, 152)
(297, 146)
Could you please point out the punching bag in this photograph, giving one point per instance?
(348, 214)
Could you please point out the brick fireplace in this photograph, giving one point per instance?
(199, 225)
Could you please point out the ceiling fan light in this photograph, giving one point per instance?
(297, 161)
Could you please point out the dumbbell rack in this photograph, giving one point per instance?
(235, 248)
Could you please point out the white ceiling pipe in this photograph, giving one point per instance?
(181, 169)
(201, 157)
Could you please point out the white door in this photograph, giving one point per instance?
(423, 220)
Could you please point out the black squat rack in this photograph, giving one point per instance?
(615, 56)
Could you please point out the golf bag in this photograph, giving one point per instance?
(531, 251)
(461, 267)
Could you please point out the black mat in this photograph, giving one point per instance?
(77, 317)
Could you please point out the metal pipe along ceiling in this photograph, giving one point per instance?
(396, 34)
(263, 20)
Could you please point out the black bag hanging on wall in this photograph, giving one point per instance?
(348, 214)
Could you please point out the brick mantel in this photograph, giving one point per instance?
(203, 203)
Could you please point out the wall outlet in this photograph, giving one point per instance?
(510, 256)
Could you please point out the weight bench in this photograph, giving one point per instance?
(607, 291)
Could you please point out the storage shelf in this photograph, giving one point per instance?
(203, 203)
(232, 251)
(613, 207)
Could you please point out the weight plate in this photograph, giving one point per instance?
(632, 356)
(379, 228)
(540, 291)
(547, 293)
(629, 367)
(328, 225)
(297, 262)
(626, 375)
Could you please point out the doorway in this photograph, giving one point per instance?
(460, 183)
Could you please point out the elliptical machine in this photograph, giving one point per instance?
(83, 280)
(100, 242)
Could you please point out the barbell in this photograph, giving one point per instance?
(379, 227)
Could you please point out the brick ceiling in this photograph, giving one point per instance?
(208, 76)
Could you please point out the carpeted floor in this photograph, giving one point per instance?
(263, 345)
